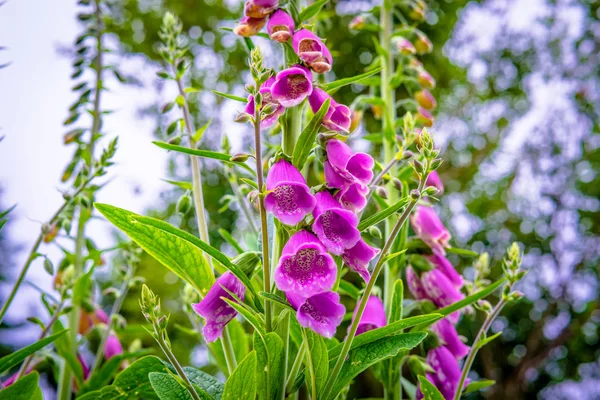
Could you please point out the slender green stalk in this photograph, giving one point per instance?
(365, 297)
(186, 381)
(263, 219)
(233, 181)
(474, 348)
(228, 351)
(311, 369)
(291, 378)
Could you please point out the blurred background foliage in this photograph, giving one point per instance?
(518, 88)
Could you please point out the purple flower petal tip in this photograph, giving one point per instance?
(292, 86)
(322, 313)
(447, 370)
(311, 49)
(448, 336)
(441, 291)
(434, 180)
(373, 316)
(353, 167)
(338, 117)
(358, 257)
(281, 26)
(260, 8)
(335, 226)
(428, 226)
(113, 347)
(447, 268)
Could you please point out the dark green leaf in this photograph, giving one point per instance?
(487, 340)
(242, 383)
(103, 375)
(182, 185)
(206, 382)
(229, 239)
(252, 318)
(316, 361)
(6, 212)
(230, 96)
(269, 353)
(383, 214)
(312, 10)
(9, 361)
(478, 385)
(25, 388)
(428, 389)
(168, 388)
(276, 300)
(307, 137)
(332, 87)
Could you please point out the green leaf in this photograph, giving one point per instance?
(250, 183)
(349, 289)
(230, 96)
(6, 212)
(332, 87)
(211, 385)
(397, 299)
(103, 375)
(307, 137)
(371, 353)
(226, 158)
(269, 352)
(462, 252)
(171, 246)
(478, 385)
(383, 214)
(409, 388)
(488, 339)
(252, 318)
(168, 388)
(242, 383)
(240, 341)
(64, 348)
(180, 184)
(9, 361)
(316, 361)
(2, 222)
(25, 388)
(229, 239)
(429, 390)
(382, 332)
(312, 10)
(275, 299)
(200, 131)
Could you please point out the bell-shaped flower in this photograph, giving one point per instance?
(289, 198)
(249, 26)
(322, 313)
(305, 268)
(429, 228)
(215, 310)
(425, 79)
(441, 291)
(113, 347)
(434, 180)
(353, 196)
(444, 265)
(292, 86)
(358, 257)
(425, 99)
(338, 117)
(334, 226)
(404, 46)
(415, 286)
(447, 370)
(281, 26)
(373, 316)
(424, 117)
(312, 51)
(344, 166)
(265, 90)
(448, 336)
(260, 8)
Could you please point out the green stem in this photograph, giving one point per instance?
(233, 181)
(311, 369)
(365, 297)
(474, 348)
(289, 383)
(228, 351)
(186, 381)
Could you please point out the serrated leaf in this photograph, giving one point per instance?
(430, 392)
(370, 354)
(307, 137)
(206, 382)
(312, 10)
(332, 87)
(382, 332)
(487, 340)
(242, 382)
(226, 158)
(9, 361)
(172, 247)
(316, 361)
(230, 96)
(478, 385)
(103, 375)
(25, 388)
(168, 388)
(269, 352)
(383, 214)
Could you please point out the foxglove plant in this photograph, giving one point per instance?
(324, 209)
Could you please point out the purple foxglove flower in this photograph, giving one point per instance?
(335, 227)
(344, 164)
(404, 46)
(281, 26)
(84, 366)
(292, 86)
(338, 117)
(358, 257)
(434, 180)
(429, 228)
(321, 313)
(260, 8)
(289, 197)
(353, 196)
(424, 117)
(448, 336)
(425, 99)
(312, 51)
(447, 370)
(265, 90)
(441, 291)
(305, 267)
(373, 317)
(444, 265)
(414, 284)
(215, 310)
(113, 347)
(249, 26)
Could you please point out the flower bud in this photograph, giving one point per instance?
(415, 195)
(407, 155)
(253, 198)
(425, 79)
(418, 166)
(423, 44)
(397, 184)
(249, 26)
(404, 46)
(184, 204)
(381, 192)
(355, 120)
(431, 191)
(247, 262)
(239, 157)
(269, 109)
(48, 267)
(50, 232)
(375, 232)
(320, 154)
(424, 117)
(243, 118)
(377, 111)
(175, 140)
(417, 11)
(425, 99)
(357, 23)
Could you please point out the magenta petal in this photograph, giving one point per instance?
(373, 316)
(305, 268)
(448, 372)
(215, 310)
(334, 178)
(289, 198)
(428, 226)
(283, 171)
(335, 227)
(292, 86)
(441, 291)
(321, 313)
(338, 154)
(307, 45)
(358, 258)
(434, 180)
(358, 166)
(281, 26)
(353, 197)
(449, 338)
(447, 268)
(84, 366)
(414, 284)
(338, 116)
(113, 347)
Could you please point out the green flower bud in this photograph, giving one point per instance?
(184, 204)
(243, 118)
(48, 266)
(247, 262)
(239, 157)
(375, 232)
